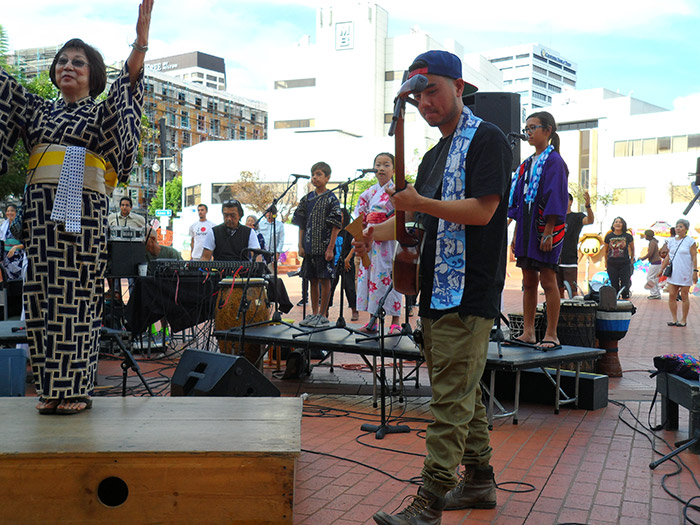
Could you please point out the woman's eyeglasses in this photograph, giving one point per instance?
(531, 129)
(77, 63)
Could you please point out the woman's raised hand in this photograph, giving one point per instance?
(143, 23)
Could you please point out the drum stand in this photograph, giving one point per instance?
(383, 428)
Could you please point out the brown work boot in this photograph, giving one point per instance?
(425, 509)
(476, 490)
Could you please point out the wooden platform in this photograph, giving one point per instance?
(151, 460)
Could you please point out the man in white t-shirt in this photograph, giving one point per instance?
(198, 232)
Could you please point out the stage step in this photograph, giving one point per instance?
(151, 460)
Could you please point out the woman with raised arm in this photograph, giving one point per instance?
(79, 150)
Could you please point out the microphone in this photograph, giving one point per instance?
(257, 251)
(370, 170)
(300, 176)
(521, 136)
(415, 84)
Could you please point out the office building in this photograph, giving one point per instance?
(196, 67)
(535, 72)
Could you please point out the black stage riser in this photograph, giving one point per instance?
(202, 373)
(536, 388)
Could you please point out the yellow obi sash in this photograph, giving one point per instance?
(46, 161)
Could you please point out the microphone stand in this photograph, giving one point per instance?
(497, 334)
(383, 428)
(276, 315)
(340, 322)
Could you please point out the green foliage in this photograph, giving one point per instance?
(12, 183)
(173, 197)
(41, 85)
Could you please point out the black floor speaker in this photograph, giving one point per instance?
(501, 109)
(202, 373)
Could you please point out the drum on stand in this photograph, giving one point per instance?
(576, 327)
(516, 324)
(228, 303)
(613, 325)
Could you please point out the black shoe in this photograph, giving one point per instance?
(424, 509)
(301, 303)
(476, 490)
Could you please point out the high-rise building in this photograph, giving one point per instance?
(347, 80)
(534, 71)
(196, 67)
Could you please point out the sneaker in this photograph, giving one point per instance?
(654, 297)
(321, 320)
(424, 509)
(309, 320)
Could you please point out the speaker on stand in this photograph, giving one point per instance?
(501, 109)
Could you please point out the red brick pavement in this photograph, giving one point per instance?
(575, 467)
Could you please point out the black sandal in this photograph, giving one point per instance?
(47, 406)
(71, 400)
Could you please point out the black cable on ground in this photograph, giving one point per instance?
(686, 504)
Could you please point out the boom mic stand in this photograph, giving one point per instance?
(276, 316)
(383, 428)
(128, 359)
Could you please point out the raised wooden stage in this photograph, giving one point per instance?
(151, 460)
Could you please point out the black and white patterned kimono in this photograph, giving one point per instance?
(65, 274)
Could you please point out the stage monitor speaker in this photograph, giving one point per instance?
(125, 257)
(501, 109)
(202, 373)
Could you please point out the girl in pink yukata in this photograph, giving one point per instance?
(375, 207)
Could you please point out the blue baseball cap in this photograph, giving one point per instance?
(443, 63)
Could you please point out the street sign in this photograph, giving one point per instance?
(164, 213)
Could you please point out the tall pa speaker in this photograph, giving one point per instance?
(501, 109)
(202, 373)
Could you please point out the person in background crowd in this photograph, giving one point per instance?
(125, 217)
(568, 259)
(654, 270)
(199, 231)
(682, 257)
(618, 253)
(13, 257)
(265, 228)
(345, 268)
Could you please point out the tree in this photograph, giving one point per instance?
(173, 197)
(258, 195)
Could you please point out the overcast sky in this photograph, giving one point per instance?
(647, 48)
